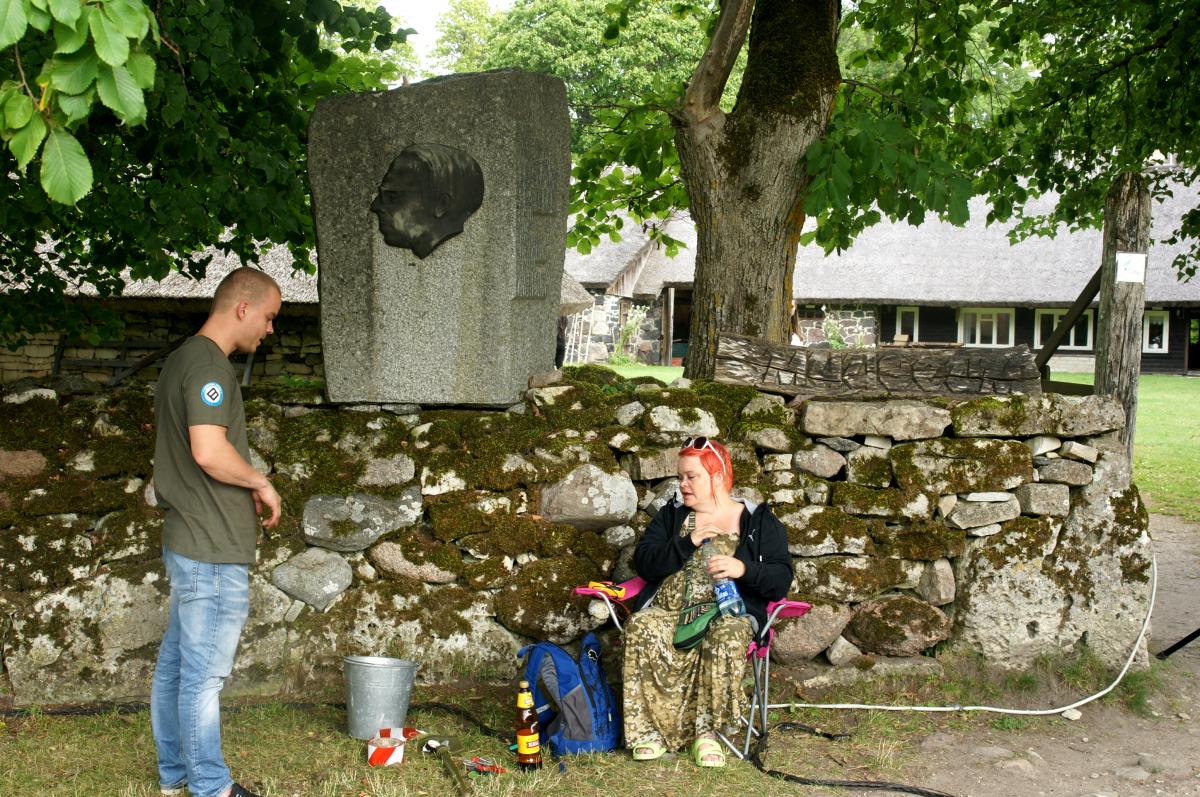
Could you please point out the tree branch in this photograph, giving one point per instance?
(703, 95)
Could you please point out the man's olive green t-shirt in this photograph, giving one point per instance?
(206, 520)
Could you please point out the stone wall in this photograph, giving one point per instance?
(1003, 527)
(592, 336)
(295, 349)
(849, 325)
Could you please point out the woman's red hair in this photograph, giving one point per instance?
(714, 458)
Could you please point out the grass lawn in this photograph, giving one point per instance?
(284, 751)
(1166, 442)
(663, 373)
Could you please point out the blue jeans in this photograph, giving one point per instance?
(209, 605)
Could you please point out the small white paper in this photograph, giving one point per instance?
(1131, 267)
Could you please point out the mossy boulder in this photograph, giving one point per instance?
(94, 640)
(897, 625)
(46, 553)
(847, 579)
(897, 419)
(891, 503)
(539, 602)
(1048, 414)
(962, 466)
(357, 521)
(822, 530)
(590, 498)
(921, 541)
(800, 639)
(870, 467)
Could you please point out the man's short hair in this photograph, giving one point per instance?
(243, 284)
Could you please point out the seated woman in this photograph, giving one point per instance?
(673, 697)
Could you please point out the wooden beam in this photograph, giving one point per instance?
(1123, 295)
(668, 326)
(875, 373)
(152, 357)
(1086, 297)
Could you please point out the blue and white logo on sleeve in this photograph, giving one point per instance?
(212, 394)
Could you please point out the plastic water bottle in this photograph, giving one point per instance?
(729, 600)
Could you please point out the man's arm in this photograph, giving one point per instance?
(217, 457)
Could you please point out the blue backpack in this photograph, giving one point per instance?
(575, 706)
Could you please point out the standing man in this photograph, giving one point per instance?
(212, 497)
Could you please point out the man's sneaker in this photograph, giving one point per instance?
(178, 790)
(238, 790)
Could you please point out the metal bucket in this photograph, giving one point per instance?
(377, 693)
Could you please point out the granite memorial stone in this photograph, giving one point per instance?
(441, 213)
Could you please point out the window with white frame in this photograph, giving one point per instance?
(1156, 324)
(908, 322)
(985, 326)
(1046, 321)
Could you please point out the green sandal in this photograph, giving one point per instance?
(648, 751)
(708, 753)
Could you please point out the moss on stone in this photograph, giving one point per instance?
(540, 600)
(75, 493)
(833, 523)
(1010, 414)
(1023, 539)
(842, 578)
(888, 502)
(921, 541)
(591, 374)
(962, 465)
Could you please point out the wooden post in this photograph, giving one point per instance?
(668, 326)
(1123, 295)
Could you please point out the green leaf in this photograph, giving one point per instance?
(72, 74)
(119, 91)
(141, 66)
(66, 11)
(111, 44)
(17, 111)
(76, 106)
(24, 143)
(68, 38)
(39, 19)
(66, 171)
(12, 22)
(130, 17)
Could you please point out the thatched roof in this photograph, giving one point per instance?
(295, 286)
(573, 297)
(933, 264)
(940, 264)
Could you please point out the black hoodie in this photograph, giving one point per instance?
(762, 547)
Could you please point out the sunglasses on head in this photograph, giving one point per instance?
(699, 444)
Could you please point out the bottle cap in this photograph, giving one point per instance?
(524, 685)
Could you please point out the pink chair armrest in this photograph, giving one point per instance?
(632, 587)
(788, 608)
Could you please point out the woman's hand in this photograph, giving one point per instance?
(698, 536)
(726, 567)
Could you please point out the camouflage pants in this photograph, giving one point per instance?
(672, 695)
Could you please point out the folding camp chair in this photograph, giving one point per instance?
(758, 652)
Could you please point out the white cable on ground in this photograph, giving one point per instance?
(1034, 712)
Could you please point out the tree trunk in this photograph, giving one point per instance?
(1123, 295)
(745, 171)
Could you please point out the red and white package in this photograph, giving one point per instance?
(387, 748)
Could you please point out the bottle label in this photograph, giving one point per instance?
(528, 744)
(524, 700)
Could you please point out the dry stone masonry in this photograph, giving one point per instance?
(1003, 527)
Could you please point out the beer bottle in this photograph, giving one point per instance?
(529, 748)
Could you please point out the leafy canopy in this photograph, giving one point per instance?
(156, 133)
